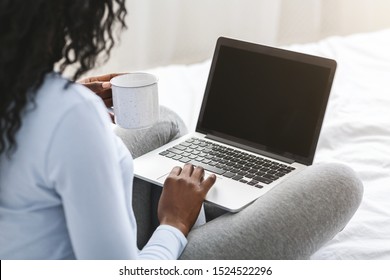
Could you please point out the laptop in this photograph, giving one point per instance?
(258, 125)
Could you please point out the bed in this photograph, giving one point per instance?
(356, 130)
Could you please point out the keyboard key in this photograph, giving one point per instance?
(208, 167)
(164, 153)
(220, 165)
(237, 177)
(230, 163)
(242, 173)
(234, 170)
(253, 171)
(263, 180)
(177, 157)
(227, 168)
(229, 174)
(284, 170)
(279, 174)
(269, 176)
(175, 151)
(180, 147)
(259, 186)
(259, 173)
(184, 159)
(252, 183)
(238, 166)
(274, 166)
(243, 181)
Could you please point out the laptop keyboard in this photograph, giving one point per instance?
(228, 162)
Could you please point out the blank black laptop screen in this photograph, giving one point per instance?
(268, 99)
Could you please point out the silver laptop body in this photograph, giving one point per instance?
(259, 122)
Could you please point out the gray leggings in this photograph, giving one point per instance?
(292, 221)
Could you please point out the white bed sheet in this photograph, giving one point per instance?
(356, 130)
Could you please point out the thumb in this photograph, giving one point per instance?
(208, 183)
(106, 85)
(96, 87)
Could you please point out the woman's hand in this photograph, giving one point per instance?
(101, 86)
(183, 194)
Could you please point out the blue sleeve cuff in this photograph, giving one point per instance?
(167, 242)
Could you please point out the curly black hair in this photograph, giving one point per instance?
(36, 35)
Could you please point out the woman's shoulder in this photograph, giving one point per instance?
(58, 97)
(62, 94)
(58, 100)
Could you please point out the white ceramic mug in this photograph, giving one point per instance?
(135, 99)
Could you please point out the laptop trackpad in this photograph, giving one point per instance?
(227, 194)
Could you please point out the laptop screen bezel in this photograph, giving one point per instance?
(280, 53)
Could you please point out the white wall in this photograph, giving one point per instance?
(310, 20)
(162, 32)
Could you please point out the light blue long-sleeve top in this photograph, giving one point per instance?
(66, 192)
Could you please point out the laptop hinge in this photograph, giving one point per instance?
(250, 149)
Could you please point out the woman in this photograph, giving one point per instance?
(66, 180)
